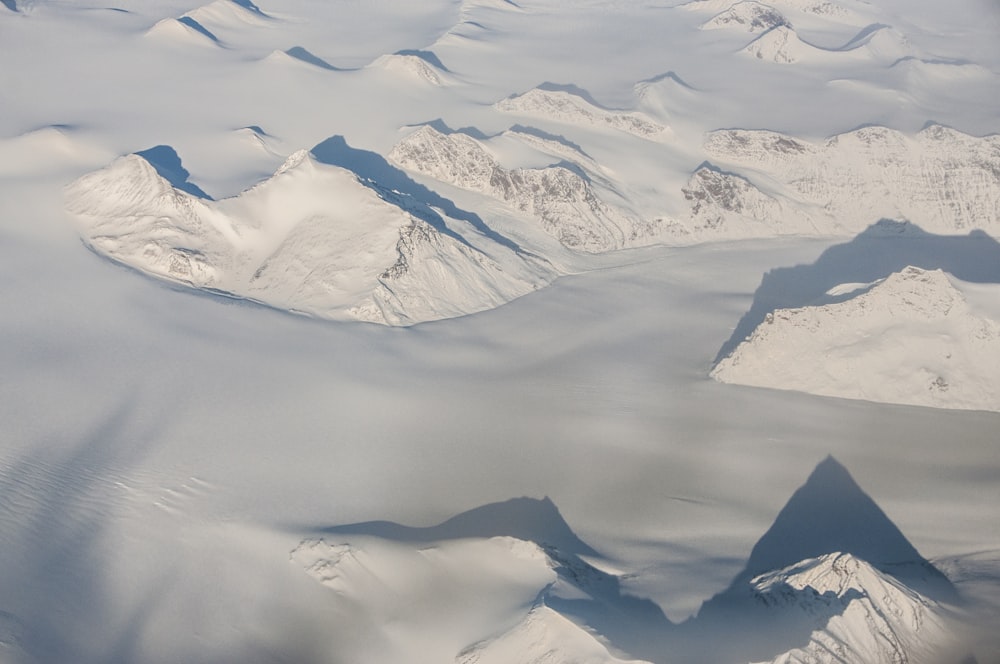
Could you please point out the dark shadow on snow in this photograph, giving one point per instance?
(828, 514)
(430, 57)
(397, 187)
(198, 27)
(305, 56)
(883, 248)
(633, 624)
(168, 165)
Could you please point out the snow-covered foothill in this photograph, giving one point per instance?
(312, 239)
(568, 105)
(910, 339)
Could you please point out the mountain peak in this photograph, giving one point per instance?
(830, 513)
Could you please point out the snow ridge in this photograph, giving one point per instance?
(561, 105)
(564, 202)
(878, 620)
(940, 179)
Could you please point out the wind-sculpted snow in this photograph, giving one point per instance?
(311, 239)
(941, 179)
(563, 201)
(910, 339)
(566, 106)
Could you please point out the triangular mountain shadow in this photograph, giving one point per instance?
(828, 514)
(377, 173)
(167, 163)
(883, 248)
(636, 625)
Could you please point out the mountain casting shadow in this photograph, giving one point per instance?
(881, 249)
(635, 625)
(828, 514)
(389, 181)
(168, 165)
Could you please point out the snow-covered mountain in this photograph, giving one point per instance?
(877, 619)
(941, 179)
(833, 581)
(312, 239)
(912, 338)
(559, 197)
(505, 582)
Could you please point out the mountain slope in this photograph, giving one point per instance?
(911, 339)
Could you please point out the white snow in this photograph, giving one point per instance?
(910, 339)
(165, 448)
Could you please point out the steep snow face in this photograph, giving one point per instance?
(940, 179)
(910, 339)
(564, 202)
(748, 15)
(311, 239)
(565, 107)
(877, 619)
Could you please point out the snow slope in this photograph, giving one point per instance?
(880, 620)
(563, 201)
(312, 239)
(911, 339)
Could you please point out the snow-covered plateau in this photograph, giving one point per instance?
(285, 284)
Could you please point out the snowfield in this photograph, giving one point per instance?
(285, 284)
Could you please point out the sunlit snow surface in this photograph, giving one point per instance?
(170, 460)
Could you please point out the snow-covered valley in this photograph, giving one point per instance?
(564, 220)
